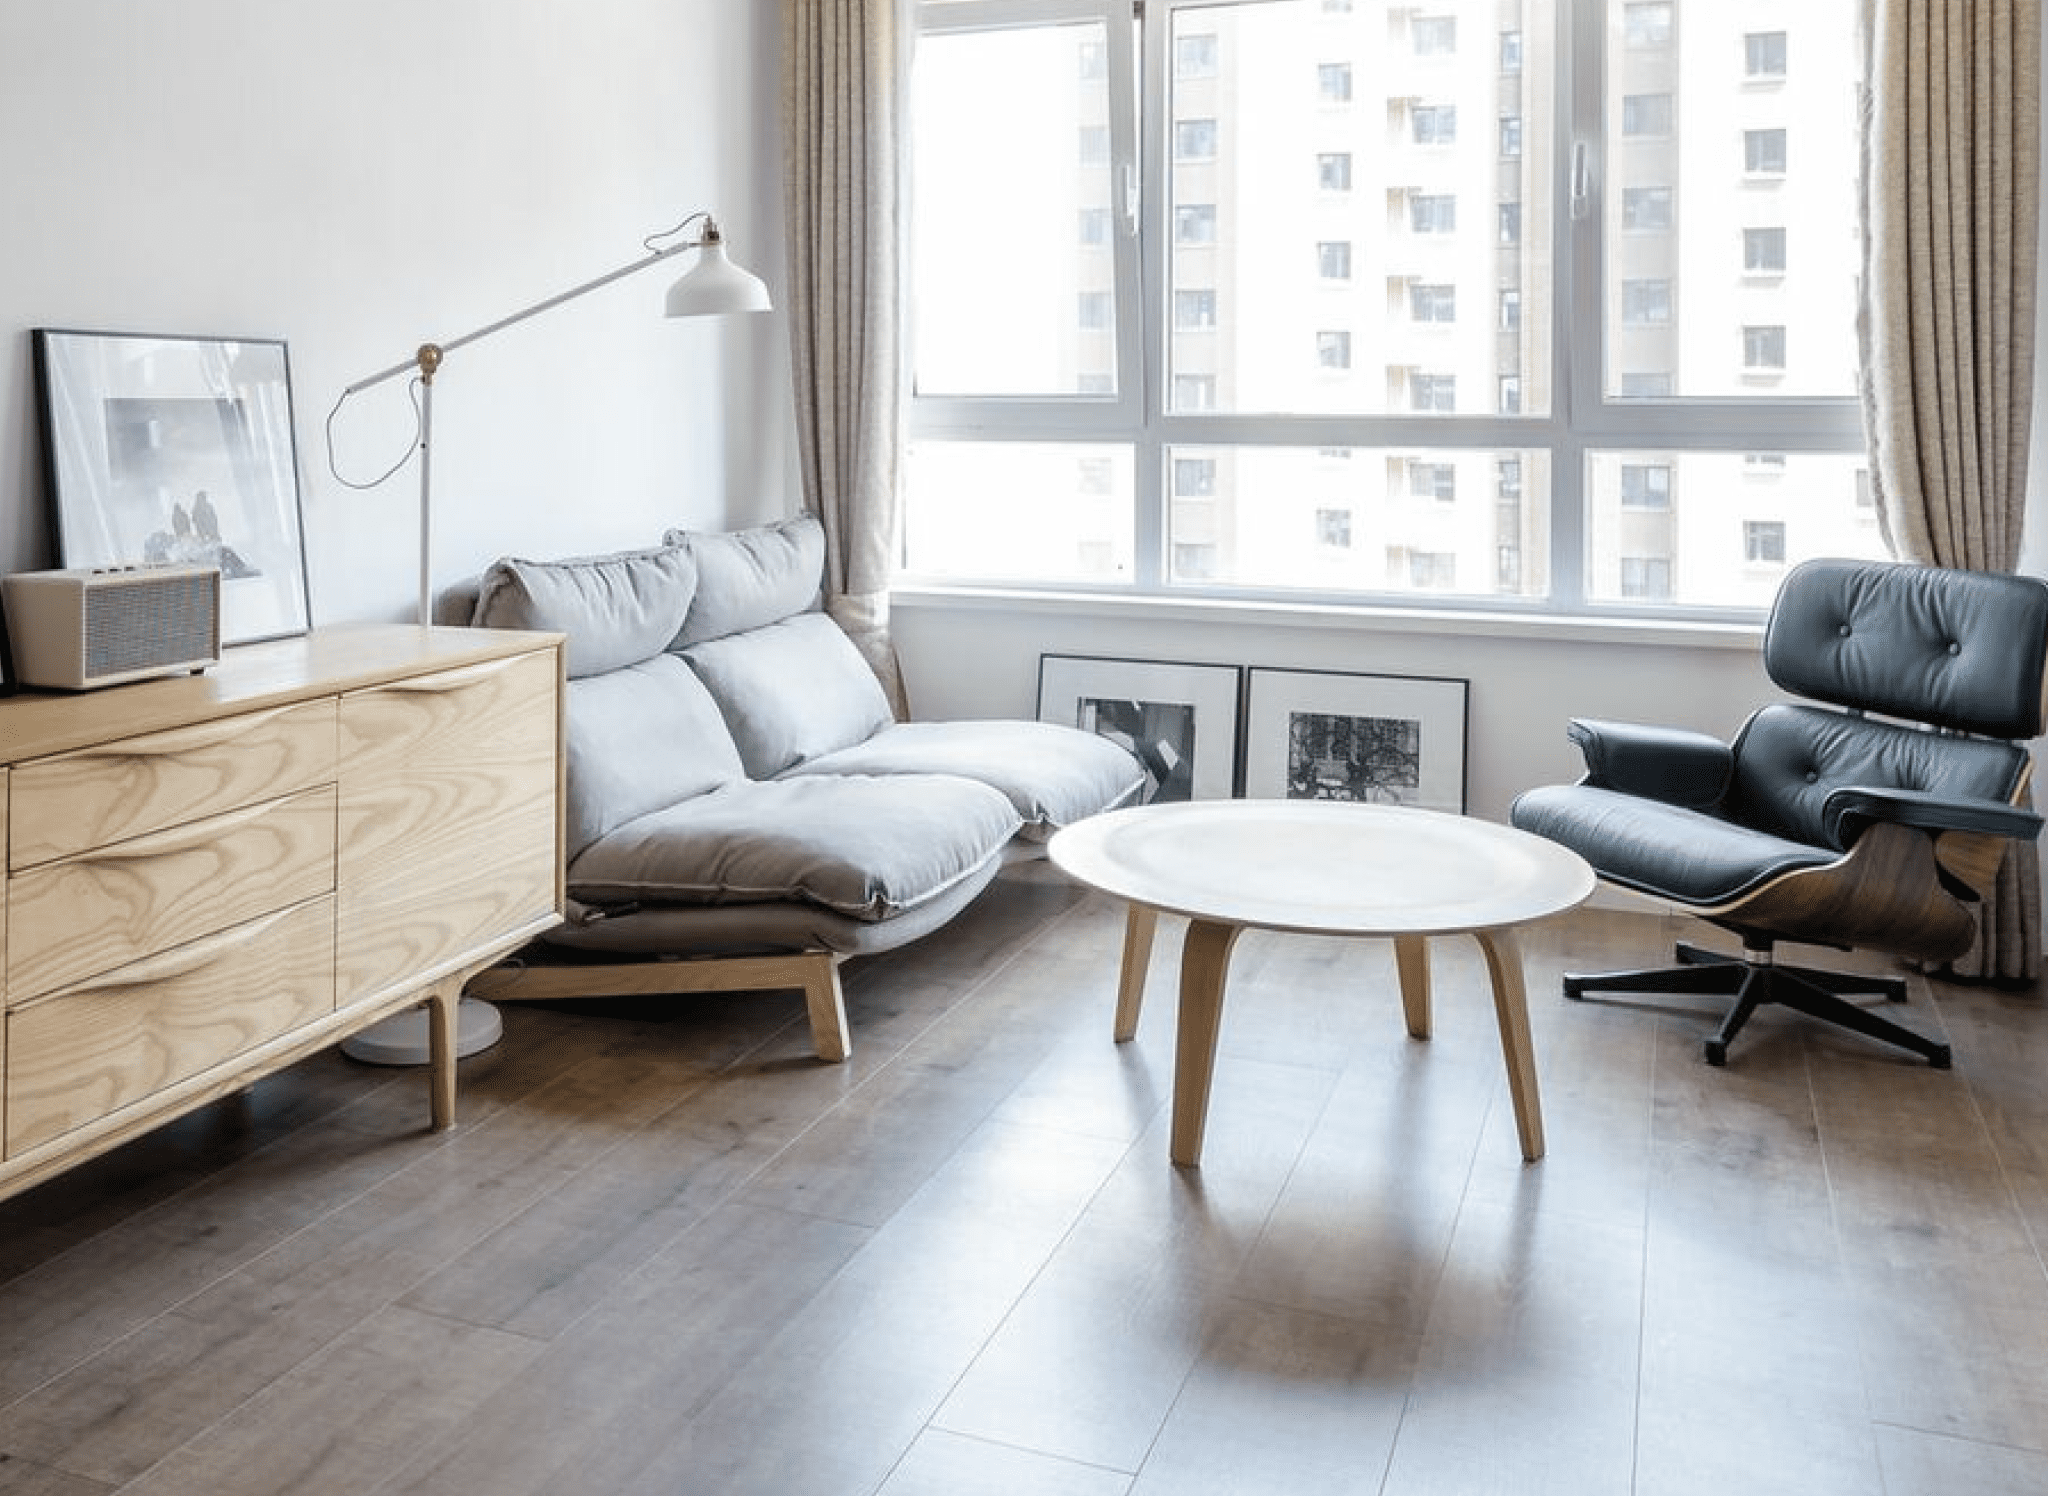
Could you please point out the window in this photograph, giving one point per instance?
(1210, 336)
(1433, 213)
(1763, 153)
(1430, 301)
(1434, 124)
(1194, 140)
(1646, 210)
(1763, 54)
(1763, 348)
(1435, 36)
(1646, 114)
(1763, 541)
(1763, 251)
(1433, 480)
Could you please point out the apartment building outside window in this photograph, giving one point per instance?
(1598, 430)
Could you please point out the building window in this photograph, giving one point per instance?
(1510, 311)
(1194, 477)
(1194, 140)
(1333, 349)
(1194, 392)
(1433, 213)
(1646, 384)
(1763, 54)
(1645, 302)
(1435, 36)
(1333, 528)
(1646, 23)
(1433, 480)
(1096, 310)
(1511, 223)
(1763, 153)
(1437, 392)
(1508, 477)
(1333, 259)
(1333, 171)
(1092, 145)
(1763, 348)
(1095, 224)
(1094, 61)
(1511, 52)
(1646, 210)
(1646, 578)
(1646, 114)
(1510, 401)
(1194, 223)
(1434, 124)
(1763, 251)
(1763, 541)
(1432, 571)
(1194, 311)
(1333, 82)
(1511, 137)
(1645, 485)
(1194, 55)
(1430, 301)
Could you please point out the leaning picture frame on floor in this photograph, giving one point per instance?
(178, 450)
(1372, 739)
(1180, 721)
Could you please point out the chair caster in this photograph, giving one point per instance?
(1939, 1057)
(1717, 1052)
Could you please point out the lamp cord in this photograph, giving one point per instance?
(412, 388)
(652, 243)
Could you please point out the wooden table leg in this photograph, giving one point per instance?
(1511, 1007)
(1139, 925)
(1411, 955)
(1204, 963)
(442, 1018)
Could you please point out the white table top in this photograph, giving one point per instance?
(1324, 867)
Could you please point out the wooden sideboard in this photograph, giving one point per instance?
(210, 876)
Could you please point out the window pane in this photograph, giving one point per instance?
(1718, 529)
(978, 178)
(1399, 194)
(1742, 167)
(1454, 521)
(1001, 511)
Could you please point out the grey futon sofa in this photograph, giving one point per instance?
(742, 810)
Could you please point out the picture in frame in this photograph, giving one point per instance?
(1375, 739)
(178, 449)
(1180, 721)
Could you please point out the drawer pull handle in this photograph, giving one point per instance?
(182, 838)
(186, 739)
(460, 679)
(196, 955)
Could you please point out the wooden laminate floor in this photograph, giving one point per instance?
(665, 1252)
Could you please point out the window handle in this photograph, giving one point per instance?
(1130, 204)
(1582, 181)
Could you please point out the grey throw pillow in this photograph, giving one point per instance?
(616, 610)
(747, 578)
(791, 691)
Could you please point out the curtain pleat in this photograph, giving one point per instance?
(1950, 189)
(845, 73)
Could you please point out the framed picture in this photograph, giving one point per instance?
(1179, 720)
(163, 449)
(1382, 739)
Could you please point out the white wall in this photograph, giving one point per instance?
(358, 178)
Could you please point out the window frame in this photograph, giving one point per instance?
(1584, 418)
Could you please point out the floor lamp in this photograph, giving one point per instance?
(712, 286)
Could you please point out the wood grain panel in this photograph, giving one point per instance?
(134, 786)
(448, 817)
(82, 1054)
(70, 920)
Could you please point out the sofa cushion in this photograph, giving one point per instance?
(1053, 775)
(791, 691)
(869, 848)
(747, 578)
(639, 739)
(617, 609)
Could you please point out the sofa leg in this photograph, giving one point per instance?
(827, 1003)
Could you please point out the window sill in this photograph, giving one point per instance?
(1267, 613)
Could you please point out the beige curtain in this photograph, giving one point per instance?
(844, 78)
(1951, 182)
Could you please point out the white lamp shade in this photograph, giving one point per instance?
(714, 284)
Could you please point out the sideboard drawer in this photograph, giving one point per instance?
(110, 792)
(74, 919)
(449, 816)
(76, 1056)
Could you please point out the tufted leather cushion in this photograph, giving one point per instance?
(1959, 649)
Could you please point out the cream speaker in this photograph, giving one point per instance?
(101, 625)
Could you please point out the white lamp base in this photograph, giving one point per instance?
(402, 1039)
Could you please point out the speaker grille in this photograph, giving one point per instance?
(148, 622)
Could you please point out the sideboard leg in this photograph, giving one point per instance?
(442, 1001)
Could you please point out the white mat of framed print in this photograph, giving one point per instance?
(1377, 739)
(174, 449)
(1179, 720)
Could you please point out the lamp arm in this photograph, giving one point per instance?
(427, 360)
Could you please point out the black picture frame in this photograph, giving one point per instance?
(1179, 720)
(1374, 739)
(178, 449)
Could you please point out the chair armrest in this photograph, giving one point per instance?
(1673, 764)
(1847, 810)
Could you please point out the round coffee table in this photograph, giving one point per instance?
(1320, 868)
